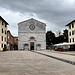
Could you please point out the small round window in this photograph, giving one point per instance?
(32, 27)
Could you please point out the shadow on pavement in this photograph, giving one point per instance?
(64, 60)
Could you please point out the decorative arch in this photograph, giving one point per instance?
(32, 38)
(32, 43)
(25, 46)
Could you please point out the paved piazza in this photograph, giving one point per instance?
(33, 63)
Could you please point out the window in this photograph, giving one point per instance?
(5, 31)
(2, 38)
(70, 40)
(5, 39)
(73, 39)
(2, 30)
(72, 25)
(5, 25)
(2, 45)
(72, 32)
(2, 23)
(69, 26)
(5, 46)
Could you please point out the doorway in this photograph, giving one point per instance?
(31, 45)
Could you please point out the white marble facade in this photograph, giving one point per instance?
(31, 35)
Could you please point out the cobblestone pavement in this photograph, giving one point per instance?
(31, 63)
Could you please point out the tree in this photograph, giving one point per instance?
(50, 38)
(65, 34)
(58, 33)
(62, 38)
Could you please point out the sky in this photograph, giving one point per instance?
(54, 13)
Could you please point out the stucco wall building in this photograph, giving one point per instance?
(12, 42)
(71, 32)
(3, 33)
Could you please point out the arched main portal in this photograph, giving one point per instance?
(32, 43)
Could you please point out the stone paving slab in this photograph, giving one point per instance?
(30, 63)
(64, 52)
(69, 53)
(59, 55)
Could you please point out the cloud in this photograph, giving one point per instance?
(55, 13)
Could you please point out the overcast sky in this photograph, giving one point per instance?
(55, 13)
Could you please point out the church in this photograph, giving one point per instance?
(31, 35)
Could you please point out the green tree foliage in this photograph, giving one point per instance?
(50, 38)
(62, 38)
(65, 34)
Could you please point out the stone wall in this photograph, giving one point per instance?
(24, 33)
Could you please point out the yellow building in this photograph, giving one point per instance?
(3, 33)
(71, 32)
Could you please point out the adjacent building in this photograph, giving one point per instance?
(31, 35)
(71, 33)
(3, 33)
(12, 42)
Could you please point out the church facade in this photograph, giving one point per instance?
(31, 35)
